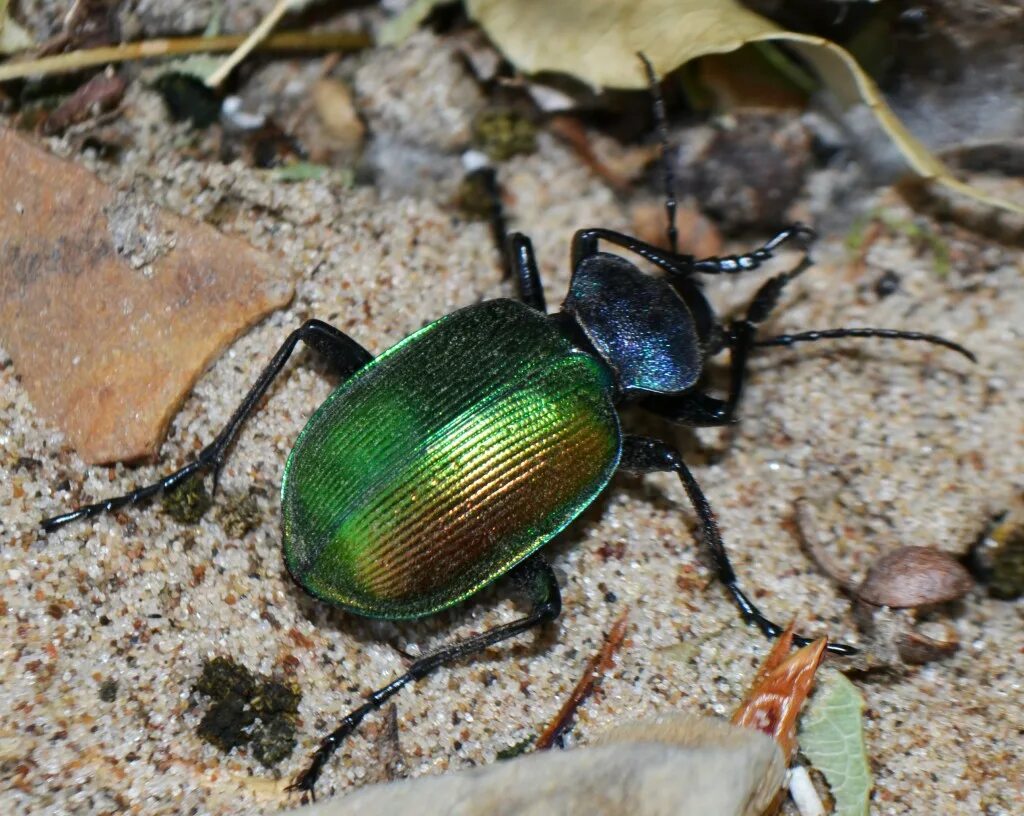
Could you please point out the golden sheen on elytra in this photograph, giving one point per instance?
(446, 461)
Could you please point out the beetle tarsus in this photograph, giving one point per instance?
(644, 455)
(798, 234)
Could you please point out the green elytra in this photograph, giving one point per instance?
(428, 473)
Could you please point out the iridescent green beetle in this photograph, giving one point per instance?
(453, 457)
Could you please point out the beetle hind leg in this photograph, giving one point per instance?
(534, 575)
(344, 354)
(643, 455)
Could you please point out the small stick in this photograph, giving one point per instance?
(147, 49)
(595, 669)
(256, 36)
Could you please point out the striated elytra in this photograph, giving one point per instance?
(446, 461)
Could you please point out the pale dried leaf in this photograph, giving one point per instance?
(832, 736)
(598, 42)
(13, 37)
(402, 25)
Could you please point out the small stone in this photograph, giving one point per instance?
(750, 171)
(914, 576)
(916, 648)
(108, 690)
(111, 307)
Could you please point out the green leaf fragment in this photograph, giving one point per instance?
(301, 171)
(831, 735)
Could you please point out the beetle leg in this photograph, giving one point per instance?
(585, 242)
(516, 249)
(534, 575)
(345, 355)
(731, 264)
(522, 263)
(643, 455)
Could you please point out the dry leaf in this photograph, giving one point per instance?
(779, 690)
(598, 42)
(13, 37)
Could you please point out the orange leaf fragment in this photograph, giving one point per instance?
(780, 689)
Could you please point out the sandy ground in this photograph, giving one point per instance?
(894, 443)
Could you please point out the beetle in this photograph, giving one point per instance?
(453, 457)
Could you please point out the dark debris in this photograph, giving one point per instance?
(248, 709)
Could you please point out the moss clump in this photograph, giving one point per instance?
(1007, 577)
(273, 698)
(187, 502)
(273, 741)
(226, 724)
(223, 679)
(247, 709)
(240, 514)
(502, 133)
(516, 749)
(476, 197)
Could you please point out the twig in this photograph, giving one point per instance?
(594, 671)
(256, 36)
(148, 49)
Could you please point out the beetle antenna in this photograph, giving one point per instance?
(886, 334)
(662, 122)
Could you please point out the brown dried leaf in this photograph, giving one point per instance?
(111, 307)
(101, 93)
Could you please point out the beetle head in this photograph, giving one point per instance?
(638, 325)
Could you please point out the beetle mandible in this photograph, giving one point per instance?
(454, 456)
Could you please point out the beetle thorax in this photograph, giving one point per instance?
(637, 324)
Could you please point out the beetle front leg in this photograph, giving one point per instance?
(731, 264)
(523, 264)
(534, 575)
(643, 455)
(344, 354)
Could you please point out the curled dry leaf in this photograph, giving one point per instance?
(914, 576)
(598, 41)
(780, 689)
(333, 103)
